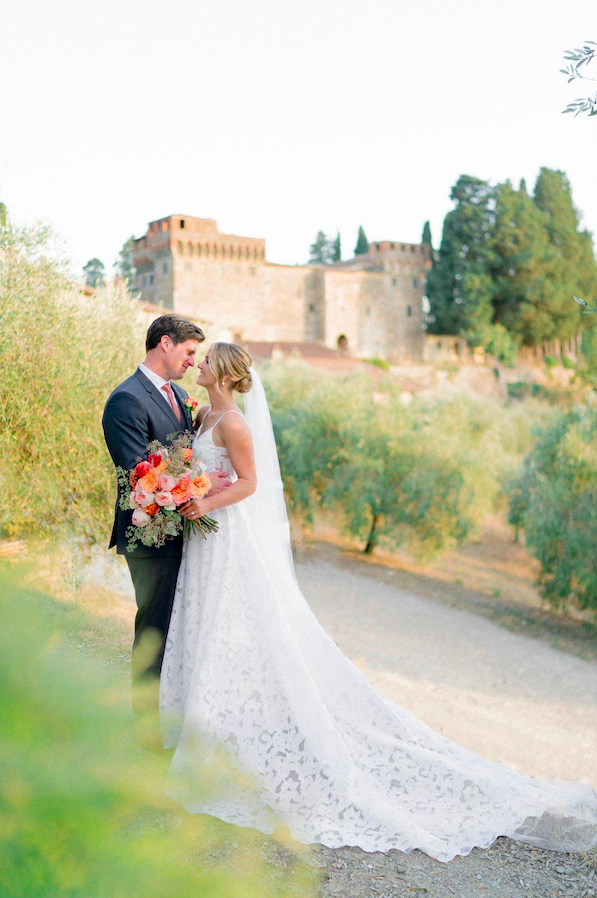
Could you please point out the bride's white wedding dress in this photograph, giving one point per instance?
(249, 671)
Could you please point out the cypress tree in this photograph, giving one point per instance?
(362, 246)
(319, 250)
(426, 238)
(524, 270)
(459, 284)
(577, 271)
(336, 249)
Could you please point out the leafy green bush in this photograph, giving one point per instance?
(61, 354)
(424, 475)
(554, 498)
(82, 810)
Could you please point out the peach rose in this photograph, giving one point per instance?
(140, 518)
(187, 454)
(166, 483)
(143, 497)
(165, 499)
(149, 482)
(200, 485)
(182, 492)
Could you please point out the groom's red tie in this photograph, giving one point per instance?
(168, 391)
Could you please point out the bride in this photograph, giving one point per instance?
(251, 677)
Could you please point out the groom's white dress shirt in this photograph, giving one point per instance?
(157, 381)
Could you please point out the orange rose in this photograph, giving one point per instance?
(200, 485)
(187, 454)
(182, 491)
(149, 482)
(133, 478)
(151, 509)
(159, 469)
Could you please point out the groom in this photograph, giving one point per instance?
(146, 407)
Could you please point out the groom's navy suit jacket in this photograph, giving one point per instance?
(135, 414)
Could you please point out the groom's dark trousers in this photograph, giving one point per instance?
(136, 414)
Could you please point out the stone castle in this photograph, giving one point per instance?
(369, 306)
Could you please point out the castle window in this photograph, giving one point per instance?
(179, 248)
(392, 246)
(190, 248)
(413, 249)
(409, 311)
(198, 249)
(164, 268)
(246, 252)
(151, 278)
(311, 306)
(182, 222)
(403, 247)
(215, 251)
(377, 245)
(207, 250)
(342, 342)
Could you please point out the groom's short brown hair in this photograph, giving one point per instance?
(173, 326)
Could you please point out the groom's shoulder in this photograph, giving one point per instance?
(131, 387)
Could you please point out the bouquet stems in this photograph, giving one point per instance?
(202, 525)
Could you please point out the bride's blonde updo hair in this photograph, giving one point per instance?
(234, 361)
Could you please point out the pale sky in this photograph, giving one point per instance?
(278, 119)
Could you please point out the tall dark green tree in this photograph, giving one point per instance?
(336, 249)
(320, 250)
(426, 238)
(94, 273)
(577, 272)
(459, 285)
(124, 263)
(524, 269)
(362, 246)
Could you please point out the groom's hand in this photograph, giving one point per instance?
(219, 481)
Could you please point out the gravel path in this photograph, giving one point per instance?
(508, 697)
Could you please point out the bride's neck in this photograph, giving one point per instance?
(220, 402)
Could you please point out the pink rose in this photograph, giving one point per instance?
(143, 498)
(165, 499)
(140, 518)
(166, 483)
(132, 501)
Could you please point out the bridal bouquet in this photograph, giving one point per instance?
(155, 488)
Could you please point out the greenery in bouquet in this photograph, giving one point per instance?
(157, 487)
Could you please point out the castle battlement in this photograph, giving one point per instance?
(370, 305)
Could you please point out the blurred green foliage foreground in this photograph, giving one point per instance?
(81, 807)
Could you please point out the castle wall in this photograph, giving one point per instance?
(370, 307)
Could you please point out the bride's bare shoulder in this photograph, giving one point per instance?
(233, 427)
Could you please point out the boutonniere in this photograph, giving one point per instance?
(191, 405)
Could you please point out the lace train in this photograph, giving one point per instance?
(250, 674)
